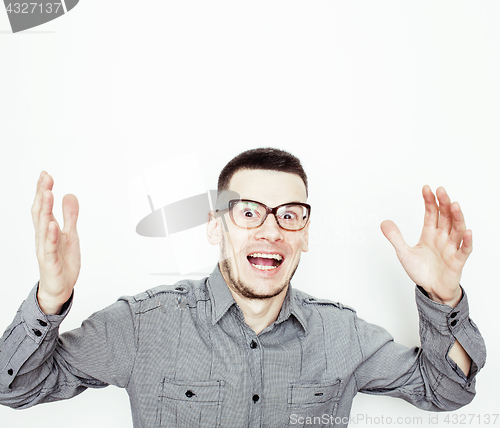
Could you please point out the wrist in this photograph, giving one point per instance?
(48, 304)
(449, 301)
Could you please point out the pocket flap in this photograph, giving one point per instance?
(300, 394)
(207, 391)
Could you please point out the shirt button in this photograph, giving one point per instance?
(38, 333)
(454, 323)
(189, 394)
(10, 372)
(255, 398)
(454, 314)
(253, 344)
(42, 323)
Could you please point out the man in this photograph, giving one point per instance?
(241, 348)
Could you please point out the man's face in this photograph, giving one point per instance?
(259, 263)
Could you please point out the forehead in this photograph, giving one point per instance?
(270, 187)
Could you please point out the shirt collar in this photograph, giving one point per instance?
(222, 300)
(291, 307)
(219, 293)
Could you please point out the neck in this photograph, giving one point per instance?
(260, 313)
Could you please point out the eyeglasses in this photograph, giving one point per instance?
(249, 214)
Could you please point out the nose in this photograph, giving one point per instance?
(270, 230)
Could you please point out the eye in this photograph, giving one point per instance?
(289, 215)
(249, 213)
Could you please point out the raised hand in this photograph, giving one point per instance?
(58, 252)
(436, 262)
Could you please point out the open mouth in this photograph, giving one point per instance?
(265, 261)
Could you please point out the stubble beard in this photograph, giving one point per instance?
(242, 288)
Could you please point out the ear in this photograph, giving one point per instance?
(214, 231)
(305, 238)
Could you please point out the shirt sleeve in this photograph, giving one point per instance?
(424, 376)
(38, 365)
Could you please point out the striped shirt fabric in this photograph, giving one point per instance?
(187, 359)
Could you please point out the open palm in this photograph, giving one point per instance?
(58, 251)
(436, 262)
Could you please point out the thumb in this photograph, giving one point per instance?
(392, 233)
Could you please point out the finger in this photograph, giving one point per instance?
(445, 219)
(45, 218)
(431, 208)
(37, 203)
(466, 248)
(50, 245)
(71, 209)
(45, 182)
(458, 225)
(393, 234)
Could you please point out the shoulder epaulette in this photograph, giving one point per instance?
(316, 301)
(161, 289)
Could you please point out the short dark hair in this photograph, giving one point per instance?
(266, 158)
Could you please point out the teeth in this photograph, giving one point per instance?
(267, 256)
(264, 267)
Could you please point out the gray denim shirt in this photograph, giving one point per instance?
(187, 359)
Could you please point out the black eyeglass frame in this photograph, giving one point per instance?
(269, 210)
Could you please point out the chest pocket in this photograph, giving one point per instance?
(313, 404)
(190, 404)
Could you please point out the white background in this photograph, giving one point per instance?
(376, 98)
